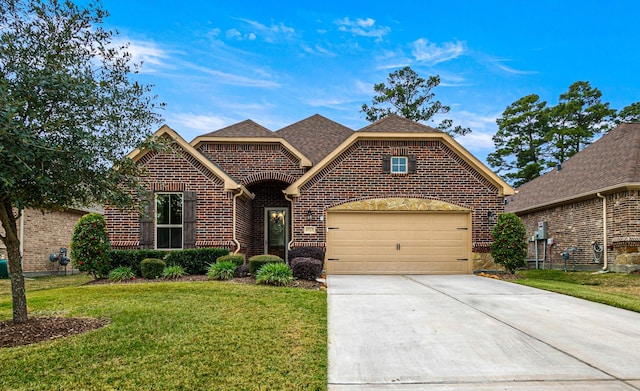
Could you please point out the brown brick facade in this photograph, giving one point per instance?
(357, 175)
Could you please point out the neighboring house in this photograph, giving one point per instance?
(393, 197)
(596, 190)
(42, 234)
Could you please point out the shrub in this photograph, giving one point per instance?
(242, 271)
(307, 252)
(274, 274)
(173, 271)
(221, 270)
(306, 268)
(122, 273)
(257, 261)
(152, 267)
(195, 260)
(90, 245)
(509, 247)
(132, 258)
(237, 259)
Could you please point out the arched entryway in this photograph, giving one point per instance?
(270, 219)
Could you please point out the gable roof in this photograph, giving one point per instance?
(246, 128)
(610, 163)
(229, 183)
(400, 134)
(315, 136)
(396, 123)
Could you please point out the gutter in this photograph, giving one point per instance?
(286, 197)
(243, 191)
(604, 231)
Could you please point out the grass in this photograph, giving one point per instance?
(615, 289)
(193, 335)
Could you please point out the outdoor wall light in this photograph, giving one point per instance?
(309, 215)
(491, 216)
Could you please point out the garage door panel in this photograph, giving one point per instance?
(393, 242)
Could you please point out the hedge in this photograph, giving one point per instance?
(195, 261)
(257, 261)
(132, 258)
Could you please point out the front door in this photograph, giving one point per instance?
(276, 231)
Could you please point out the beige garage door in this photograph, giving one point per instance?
(398, 243)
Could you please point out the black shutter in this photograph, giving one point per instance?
(386, 164)
(146, 220)
(413, 164)
(189, 219)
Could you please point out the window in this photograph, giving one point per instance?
(399, 164)
(168, 220)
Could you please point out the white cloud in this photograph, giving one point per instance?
(512, 70)
(146, 52)
(233, 33)
(362, 27)
(197, 124)
(232, 79)
(269, 33)
(432, 53)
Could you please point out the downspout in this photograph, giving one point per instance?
(22, 235)
(235, 239)
(286, 197)
(604, 231)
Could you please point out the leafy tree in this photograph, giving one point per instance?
(410, 96)
(69, 113)
(509, 247)
(577, 118)
(630, 113)
(90, 245)
(520, 139)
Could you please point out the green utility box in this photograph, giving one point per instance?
(4, 271)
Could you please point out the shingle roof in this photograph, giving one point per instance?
(612, 160)
(394, 123)
(246, 128)
(315, 136)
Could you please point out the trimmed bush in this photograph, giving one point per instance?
(257, 261)
(122, 273)
(90, 245)
(242, 271)
(278, 274)
(237, 259)
(306, 268)
(509, 247)
(152, 267)
(132, 258)
(307, 252)
(173, 271)
(221, 270)
(195, 260)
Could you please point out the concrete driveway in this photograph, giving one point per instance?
(474, 333)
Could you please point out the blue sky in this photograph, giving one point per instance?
(215, 63)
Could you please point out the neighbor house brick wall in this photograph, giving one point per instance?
(571, 225)
(578, 224)
(357, 174)
(45, 233)
(180, 171)
(246, 161)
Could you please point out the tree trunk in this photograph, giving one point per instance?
(14, 258)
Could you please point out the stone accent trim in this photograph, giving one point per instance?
(398, 204)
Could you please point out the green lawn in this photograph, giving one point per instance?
(171, 336)
(615, 289)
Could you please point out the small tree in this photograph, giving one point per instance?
(90, 246)
(509, 247)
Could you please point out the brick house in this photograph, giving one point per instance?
(393, 197)
(592, 198)
(44, 233)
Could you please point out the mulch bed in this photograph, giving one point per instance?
(50, 328)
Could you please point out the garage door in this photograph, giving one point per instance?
(398, 243)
